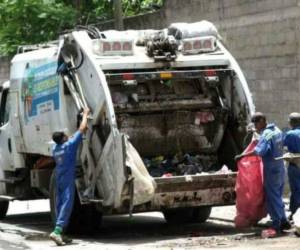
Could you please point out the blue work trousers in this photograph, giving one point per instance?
(64, 203)
(273, 186)
(294, 181)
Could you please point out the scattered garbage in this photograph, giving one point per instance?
(190, 165)
(224, 170)
(119, 98)
(166, 175)
(204, 117)
(161, 166)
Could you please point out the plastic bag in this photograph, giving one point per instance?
(144, 184)
(190, 30)
(250, 202)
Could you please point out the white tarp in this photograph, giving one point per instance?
(144, 184)
(190, 30)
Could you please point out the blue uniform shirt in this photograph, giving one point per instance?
(65, 158)
(270, 144)
(292, 140)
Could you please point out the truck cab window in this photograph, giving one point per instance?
(4, 108)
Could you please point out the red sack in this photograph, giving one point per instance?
(250, 203)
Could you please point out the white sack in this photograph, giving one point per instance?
(144, 184)
(190, 30)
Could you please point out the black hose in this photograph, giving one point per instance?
(93, 31)
(80, 64)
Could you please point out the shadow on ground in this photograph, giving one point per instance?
(140, 229)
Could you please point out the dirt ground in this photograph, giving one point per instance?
(28, 224)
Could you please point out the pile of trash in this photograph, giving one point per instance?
(161, 166)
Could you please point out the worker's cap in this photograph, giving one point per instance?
(295, 116)
(257, 117)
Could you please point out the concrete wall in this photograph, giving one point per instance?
(263, 35)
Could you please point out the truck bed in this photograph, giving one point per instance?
(195, 190)
(188, 191)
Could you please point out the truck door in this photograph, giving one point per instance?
(5, 132)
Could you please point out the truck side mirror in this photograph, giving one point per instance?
(1, 88)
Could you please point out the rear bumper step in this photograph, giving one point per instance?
(12, 180)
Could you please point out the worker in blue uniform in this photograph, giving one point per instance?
(292, 142)
(269, 147)
(64, 153)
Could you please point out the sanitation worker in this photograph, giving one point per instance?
(292, 141)
(269, 147)
(64, 153)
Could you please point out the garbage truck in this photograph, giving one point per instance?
(169, 110)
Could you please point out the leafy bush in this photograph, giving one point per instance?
(32, 21)
(36, 21)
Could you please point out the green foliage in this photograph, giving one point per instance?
(95, 10)
(99, 10)
(135, 7)
(31, 21)
(35, 21)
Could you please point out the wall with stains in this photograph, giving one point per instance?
(263, 35)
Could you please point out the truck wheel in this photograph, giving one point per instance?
(84, 218)
(3, 209)
(178, 215)
(201, 214)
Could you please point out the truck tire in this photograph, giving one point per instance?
(85, 219)
(187, 215)
(201, 214)
(3, 209)
(178, 215)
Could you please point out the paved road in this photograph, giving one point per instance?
(28, 224)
